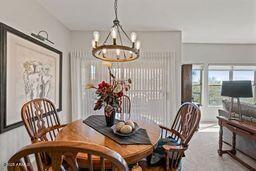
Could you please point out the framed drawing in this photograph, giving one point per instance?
(29, 69)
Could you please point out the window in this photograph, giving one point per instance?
(217, 74)
(197, 72)
(215, 78)
(240, 73)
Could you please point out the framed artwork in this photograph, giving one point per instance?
(29, 69)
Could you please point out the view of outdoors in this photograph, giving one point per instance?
(197, 86)
(215, 79)
(217, 74)
(246, 75)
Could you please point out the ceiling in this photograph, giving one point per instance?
(201, 21)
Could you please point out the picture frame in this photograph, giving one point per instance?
(29, 69)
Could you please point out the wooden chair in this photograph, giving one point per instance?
(41, 120)
(126, 106)
(186, 123)
(60, 150)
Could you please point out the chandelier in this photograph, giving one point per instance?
(118, 46)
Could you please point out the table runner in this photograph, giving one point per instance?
(98, 123)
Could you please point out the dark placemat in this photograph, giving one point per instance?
(98, 123)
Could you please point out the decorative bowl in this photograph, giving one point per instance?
(136, 128)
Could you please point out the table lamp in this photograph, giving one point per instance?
(236, 89)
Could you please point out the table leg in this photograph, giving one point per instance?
(234, 143)
(220, 140)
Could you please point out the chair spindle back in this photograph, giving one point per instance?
(126, 106)
(60, 151)
(186, 123)
(40, 119)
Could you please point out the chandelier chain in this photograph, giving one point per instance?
(115, 9)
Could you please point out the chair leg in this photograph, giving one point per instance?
(167, 166)
(148, 159)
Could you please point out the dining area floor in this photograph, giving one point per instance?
(202, 153)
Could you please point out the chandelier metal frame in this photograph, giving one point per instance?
(123, 53)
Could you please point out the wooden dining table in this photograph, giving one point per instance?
(79, 131)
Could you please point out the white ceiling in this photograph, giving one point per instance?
(201, 21)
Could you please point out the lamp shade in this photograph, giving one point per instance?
(236, 89)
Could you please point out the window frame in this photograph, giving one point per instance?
(201, 71)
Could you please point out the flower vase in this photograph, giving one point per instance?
(110, 118)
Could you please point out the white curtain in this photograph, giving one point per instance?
(153, 92)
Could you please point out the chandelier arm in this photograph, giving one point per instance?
(120, 37)
(105, 41)
(125, 33)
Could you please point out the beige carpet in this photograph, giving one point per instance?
(202, 153)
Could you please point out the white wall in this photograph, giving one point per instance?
(28, 16)
(152, 41)
(216, 54)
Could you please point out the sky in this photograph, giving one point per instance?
(224, 75)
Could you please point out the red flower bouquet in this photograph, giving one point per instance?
(109, 95)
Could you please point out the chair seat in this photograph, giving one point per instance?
(159, 152)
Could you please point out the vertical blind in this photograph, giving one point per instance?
(149, 89)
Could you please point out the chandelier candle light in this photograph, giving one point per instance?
(115, 49)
